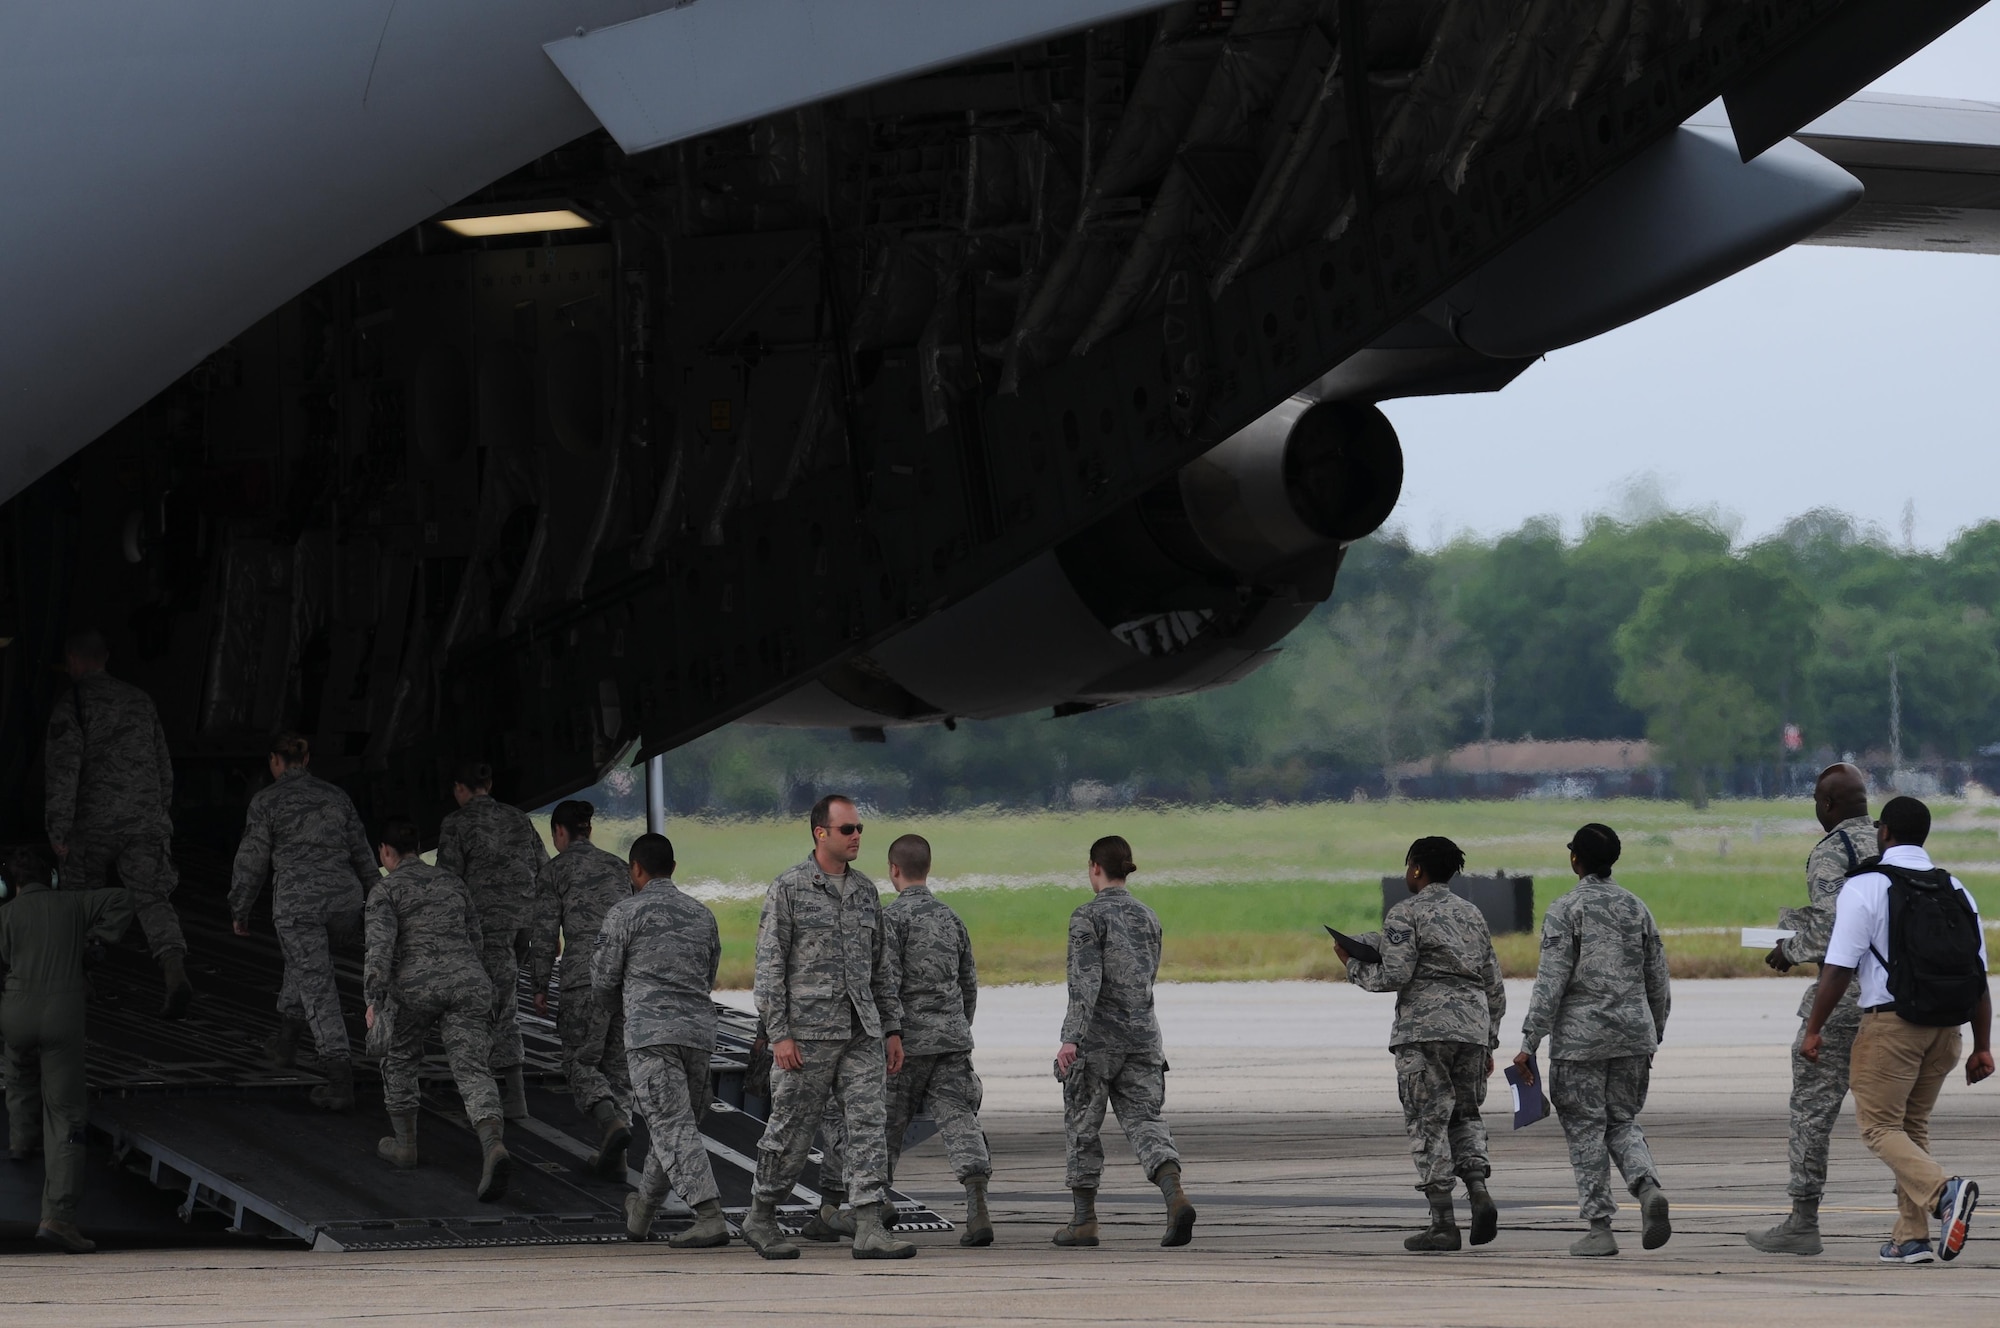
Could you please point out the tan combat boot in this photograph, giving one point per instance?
(639, 1214)
(1485, 1214)
(1441, 1236)
(399, 1149)
(1081, 1230)
(761, 1232)
(1797, 1234)
(978, 1221)
(1655, 1230)
(709, 1229)
(282, 1047)
(173, 968)
(1598, 1242)
(611, 1158)
(496, 1162)
(337, 1093)
(832, 1221)
(65, 1237)
(1180, 1209)
(871, 1234)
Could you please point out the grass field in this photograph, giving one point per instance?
(1242, 891)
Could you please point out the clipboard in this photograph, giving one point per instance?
(1530, 1102)
(1361, 950)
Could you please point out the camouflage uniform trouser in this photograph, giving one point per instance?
(833, 1150)
(308, 990)
(1133, 1086)
(1818, 1089)
(145, 869)
(1442, 1085)
(593, 1048)
(502, 952)
(461, 1021)
(670, 1089)
(945, 1083)
(1599, 1103)
(849, 1071)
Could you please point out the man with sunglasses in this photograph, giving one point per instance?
(828, 996)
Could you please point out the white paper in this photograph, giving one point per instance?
(1763, 938)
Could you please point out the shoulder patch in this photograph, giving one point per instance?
(1397, 935)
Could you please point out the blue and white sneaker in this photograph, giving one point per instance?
(1910, 1251)
(1954, 1210)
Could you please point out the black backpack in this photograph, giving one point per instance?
(1936, 976)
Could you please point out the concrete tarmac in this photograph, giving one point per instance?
(1283, 1102)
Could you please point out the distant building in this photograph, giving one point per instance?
(1565, 768)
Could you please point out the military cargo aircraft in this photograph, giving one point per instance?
(552, 381)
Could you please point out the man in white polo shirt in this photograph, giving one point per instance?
(1912, 933)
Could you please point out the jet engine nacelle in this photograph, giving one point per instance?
(1189, 587)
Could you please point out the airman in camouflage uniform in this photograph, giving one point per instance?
(424, 970)
(829, 1002)
(110, 785)
(932, 959)
(1840, 798)
(580, 884)
(1437, 956)
(303, 834)
(655, 958)
(1601, 998)
(1111, 1051)
(494, 849)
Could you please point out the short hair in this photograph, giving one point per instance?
(574, 816)
(475, 775)
(822, 812)
(25, 865)
(654, 854)
(87, 644)
(1597, 848)
(1907, 819)
(1113, 856)
(400, 833)
(291, 748)
(1436, 857)
(913, 854)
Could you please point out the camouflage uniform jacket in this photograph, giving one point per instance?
(423, 938)
(304, 834)
(821, 962)
(661, 948)
(1827, 866)
(935, 975)
(1438, 958)
(1114, 955)
(1602, 991)
(494, 849)
(108, 767)
(579, 886)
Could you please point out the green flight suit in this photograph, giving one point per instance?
(42, 937)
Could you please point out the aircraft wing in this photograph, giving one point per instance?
(1931, 167)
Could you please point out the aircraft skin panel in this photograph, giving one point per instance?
(685, 71)
(176, 172)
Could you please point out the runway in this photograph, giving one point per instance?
(1282, 1101)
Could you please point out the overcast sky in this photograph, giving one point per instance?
(1853, 378)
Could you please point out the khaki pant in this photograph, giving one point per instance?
(1895, 1074)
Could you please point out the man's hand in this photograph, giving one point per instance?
(1522, 1062)
(1810, 1050)
(1066, 1056)
(369, 1017)
(1776, 959)
(1489, 1067)
(895, 1053)
(785, 1054)
(542, 1004)
(1977, 1066)
(240, 927)
(60, 848)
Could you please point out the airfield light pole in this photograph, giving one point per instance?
(656, 794)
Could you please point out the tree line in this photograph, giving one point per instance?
(1657, 626)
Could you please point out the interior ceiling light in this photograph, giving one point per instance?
(477, 226)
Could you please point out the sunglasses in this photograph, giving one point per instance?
(851, 828)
